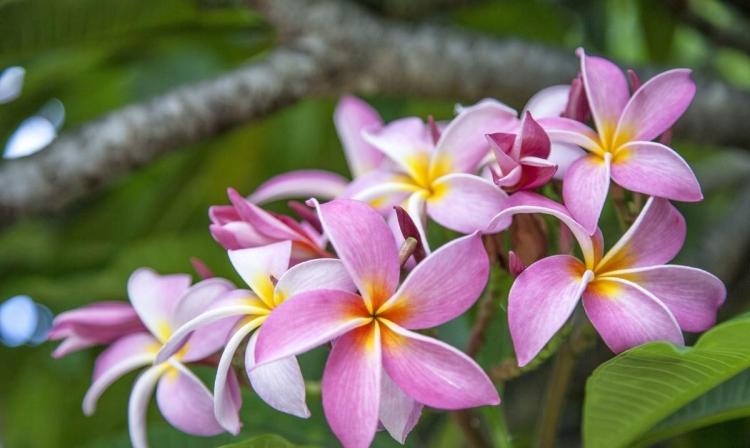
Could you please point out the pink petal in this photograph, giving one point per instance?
(365, 244)
(102, 321)
(541, 300)
(237, 235)
(654, 169)
(300, 184)
(351, 386)
(462, 144)
(563, 155)
(125, 355)
(434, 373)
(655, 238)
(406, 142)
(585, 189)
(186, 403)
(656, 106)
(155, 297)
(626, 315)
(502, 146)
(548, 102)
(308, 320)
(352, 116)
(565, 130)
(691, 294)
(607, 92)
(533, 141)
(262, 222)
(464, 203)
(73, 344)
(399, 413)
(441, 287)
(416, 208)
(323, 273)
(258, 265)
(535, 173)
(279, 383)
(140, 395)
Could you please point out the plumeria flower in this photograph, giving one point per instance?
(243, 225)
(380, 370)
(163, 303)
(621, 147)
(96, 324)
(266, 270)
(522, 162)
(630, 294)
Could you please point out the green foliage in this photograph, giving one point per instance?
(628, 395)
(264, 441)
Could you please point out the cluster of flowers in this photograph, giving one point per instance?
(471, 175)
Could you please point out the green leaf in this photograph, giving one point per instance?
(264, 441)
(631, 393)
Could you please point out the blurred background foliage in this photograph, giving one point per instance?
(98, 55)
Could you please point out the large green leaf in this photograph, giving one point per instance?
(264, 441)
(630, 394)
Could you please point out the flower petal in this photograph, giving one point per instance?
(656, 106)
(462, 144)
(351, 386)
(692, 295)
(186, 403)
(102, 321)
(533, 140)
(441, 287)
(465, 203)
(548, 102)
(263, 223)
(654, 169)
(300, 184)
(308, 320)
(655, 237)
(365, 244)
(626, 315)
(434, 373)
(541, 299)
(138, 404)
(352, 116)
(155, 297)
(279, 383)
(257, 265)
(585, 189)
(563, 155)
(323, 273)
(406, 142)
(607, 92)
(565, 130)
(125, 355)
(399, 413)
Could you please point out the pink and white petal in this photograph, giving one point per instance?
(406, 142)
(441, 287)
(351, 386)
(657, 170)
(154, 298)
(138, 404)
(654, 238)
(300, 184)
(565, 130)
(502, 146)
(465, 203)
(226, 402)
(199, 297)
(417, 211)
(365, 244)
(541, 300)
(626, 315)
(384, 196)
(585, 189)
(73, 344)
(533, 141)
(607, 92)
(548, 102)
(434, 373)
(257, 265)
(125, 355)
(323, 273)
(463, 145)
(399, 413)
(186, 403)
(308, 320)
(656, 106)
(536, 172)
(100, 321)
(280, 383)
(370, 179)
(563, 155)
(692, 295)
(263, 223)
(238, 235)
(351, 117)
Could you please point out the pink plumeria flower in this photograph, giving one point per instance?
(96, 324)
(630, 294)
(280, 384)
(243, 225)
(380, 370)
(164, 303)
(621, 147)
(522, 162)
